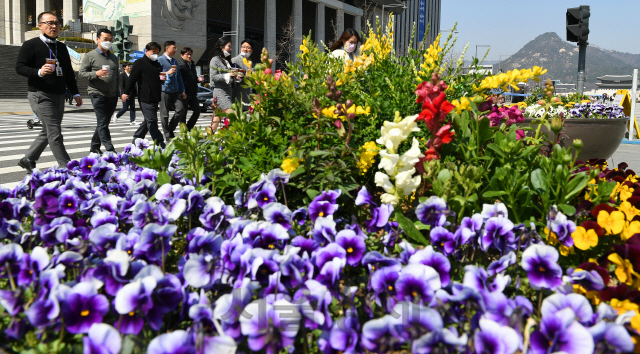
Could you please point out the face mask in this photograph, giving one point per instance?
(106, 45)
(153, 57)
(350, 47)
(226, 54)
(245, 54)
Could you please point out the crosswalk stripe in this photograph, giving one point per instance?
(33, 135)
(86, 142)
(10, 185)
(41, 165)
(49, 153)
(67, 139)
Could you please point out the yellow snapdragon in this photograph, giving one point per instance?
(510, 78)
(368, 152)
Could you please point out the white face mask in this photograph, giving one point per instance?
(350, 47)
(106, 45)
(226, 54)
(245, 54)
(153, 57)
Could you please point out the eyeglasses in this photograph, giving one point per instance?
(51, 23)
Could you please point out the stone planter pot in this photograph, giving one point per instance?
(600, 137)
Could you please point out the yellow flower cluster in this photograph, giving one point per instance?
(461, 105)
(290, 164)
(432, 58)
(357, 110)
(303, 47)
(368, 152)
(510, 78)
(378, 44)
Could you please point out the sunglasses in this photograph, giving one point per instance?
(51, 23)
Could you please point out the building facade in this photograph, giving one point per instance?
(278, 25)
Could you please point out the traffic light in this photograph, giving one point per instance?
(578, 23)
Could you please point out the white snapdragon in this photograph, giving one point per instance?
(399, 169)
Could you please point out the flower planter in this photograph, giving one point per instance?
(600, 137)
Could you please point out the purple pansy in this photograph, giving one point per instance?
(176, 342)
(353, 244)
(417, 283)
(271, 323)
(102, 339)
(433, 211)
(560, 332)
(82, 306)
(492, 338)
(541, 264)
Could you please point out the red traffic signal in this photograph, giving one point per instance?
(578, 23)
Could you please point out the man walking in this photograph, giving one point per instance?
(146, 74)
(172, 89)
(190, 79)
(131, 103)
(46, 64)
(100, 67)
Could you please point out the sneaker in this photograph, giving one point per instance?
(115, 118)
(27, 164)
(133, 123)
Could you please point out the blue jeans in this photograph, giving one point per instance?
(129, 105)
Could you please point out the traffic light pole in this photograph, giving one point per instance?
(582, 56)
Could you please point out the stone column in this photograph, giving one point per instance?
(19, 20)
(42, 6)
(270, 27)
(320, 25)
(70, 11)
(357, 24)
(340, 22)
(8, 21)
(237, 25)
(297, 28)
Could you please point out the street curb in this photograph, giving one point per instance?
(631, 142)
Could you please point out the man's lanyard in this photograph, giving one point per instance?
(50, 52)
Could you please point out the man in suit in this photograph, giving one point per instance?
(131, 103)
(190, 78)
(48, 79)
(172, 89)
(146, 73)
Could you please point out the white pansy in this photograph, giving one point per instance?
(388, 162)
(406, 183)
(383, 181)
(389, 199)
(410, 158)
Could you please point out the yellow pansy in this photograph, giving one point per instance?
(565, 251)
(629, 210)
(624, 268)
(584, 239)
(630, 229)
(623, 306)
(613, 223)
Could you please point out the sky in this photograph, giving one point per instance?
(507, 25)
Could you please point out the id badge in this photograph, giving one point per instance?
(58, 70)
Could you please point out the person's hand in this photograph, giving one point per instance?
(46, 69)
(101, 73)
(125, 97)
(171, 72)
(232, 74)
(184, 96)
(78, 101)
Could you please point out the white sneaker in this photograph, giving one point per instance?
(133, 123)
(115, 118)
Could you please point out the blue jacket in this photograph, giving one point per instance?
(174, 83)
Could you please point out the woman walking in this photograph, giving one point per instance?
(221, 77)
(345, 46)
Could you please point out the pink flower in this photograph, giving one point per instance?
(514, 115)
(268, 71)
(278, 74)
(519, 134)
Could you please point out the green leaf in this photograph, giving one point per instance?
(567, 209)
(411, 230)
(219, 172)
(537, 180)
(444, 175)
(484, 130)
(493, 194)
(163, 178)
(420, 226)
(298, 171)
(576, 185)
(312, 193)
(318, 153)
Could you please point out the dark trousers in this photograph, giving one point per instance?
(49, 108)
(193, 104)
(129, 105)
(169, 101)
(150, 124)
(104, 108)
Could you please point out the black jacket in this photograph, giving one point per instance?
(146, 73)
(122, 83)
(189, 77)
(32, 57)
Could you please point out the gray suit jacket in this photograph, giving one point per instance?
(240, 92)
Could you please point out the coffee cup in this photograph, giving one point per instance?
(201, 78)
(163, 76)
(107, 68)
(51, 63)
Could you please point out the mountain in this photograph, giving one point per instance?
(560, 58)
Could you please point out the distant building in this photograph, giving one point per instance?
(615, 82)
